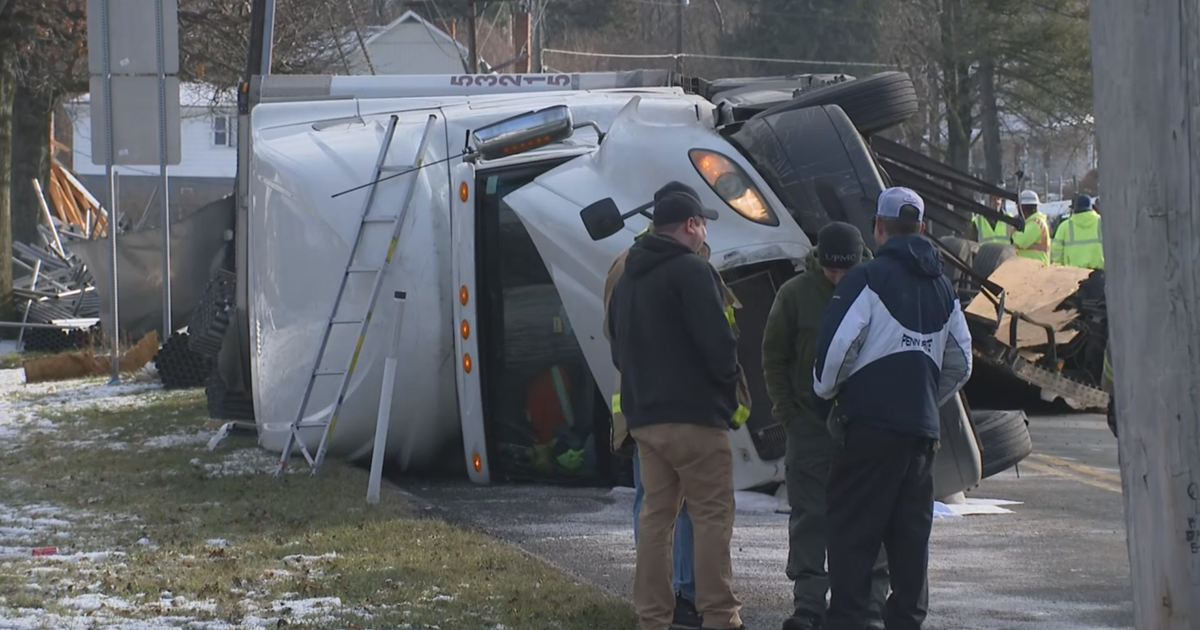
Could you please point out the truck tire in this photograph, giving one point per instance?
(874, 103)
(990, 256)
(965, 250)
(818, 164)
(1003, 439)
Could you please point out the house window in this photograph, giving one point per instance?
(224, 131)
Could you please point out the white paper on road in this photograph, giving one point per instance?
(751, 502)
(972, 507)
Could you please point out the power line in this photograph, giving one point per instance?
(811, 62)
(757, 11)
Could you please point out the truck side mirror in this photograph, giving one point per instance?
(602, 219)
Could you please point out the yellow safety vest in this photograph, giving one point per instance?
(1082, 246)
(987, 233)
(1034, 241)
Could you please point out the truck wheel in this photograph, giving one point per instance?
(990, 256)
(965, 250)
(874, 103)
(818, 164)
(1003, 439)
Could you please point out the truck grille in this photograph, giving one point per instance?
(771, 442)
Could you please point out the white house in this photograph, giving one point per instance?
(409, 45)
(208, 165)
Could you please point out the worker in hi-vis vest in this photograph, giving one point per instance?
(555, 429)
(1034, 241)
(1079, 241)
(987, 231)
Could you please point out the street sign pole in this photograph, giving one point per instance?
(114, 334)
(140, 109)
(162, 171)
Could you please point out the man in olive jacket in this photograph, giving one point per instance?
(789, 351)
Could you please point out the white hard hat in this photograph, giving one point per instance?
(1029, 198)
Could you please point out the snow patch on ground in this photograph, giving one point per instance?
(299, 559)
(21, 402)
(175, 440)
(24, 527)
(242, 462)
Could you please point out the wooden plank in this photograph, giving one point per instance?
(1147, 108)
(68, 197)
(60, 202)
(1036, 290)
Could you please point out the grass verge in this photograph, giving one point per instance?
(199, 539)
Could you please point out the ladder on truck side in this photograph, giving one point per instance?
(366, 221)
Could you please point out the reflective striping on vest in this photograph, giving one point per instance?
(1040, 249)
(616, 403)
(1043, 244)
(740, 416)
(564, 399)
(1086, 253)
(986, 233)
(729, 316)
(571, 459)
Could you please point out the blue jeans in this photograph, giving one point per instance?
(683, 557)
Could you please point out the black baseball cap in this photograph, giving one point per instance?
(677, 202)
(839, 246)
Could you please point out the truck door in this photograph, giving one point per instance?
(549, 209)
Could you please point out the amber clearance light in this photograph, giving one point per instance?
(467, 363)
(477, 462)
(463, 295)
(465, 329)
(732, 185)
(463, 191)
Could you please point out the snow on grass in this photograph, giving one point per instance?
(29, 410)
(25, 527)
(242, 463)
(176, 440)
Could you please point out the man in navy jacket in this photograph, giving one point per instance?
(894, 347)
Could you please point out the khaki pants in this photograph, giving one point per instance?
(684, 461)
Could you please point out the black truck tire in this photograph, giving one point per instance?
(965, 250)
(874, 103)
(818, 164)
(990, 256)
(1003, 439)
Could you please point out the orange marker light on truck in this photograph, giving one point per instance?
(467, 363)
(462, 295)
(477, 462)
(466, 329)
(463, 192)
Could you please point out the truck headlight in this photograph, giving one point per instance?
(732, 185)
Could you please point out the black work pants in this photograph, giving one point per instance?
(880, 493)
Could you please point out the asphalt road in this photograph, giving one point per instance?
(1058, 562)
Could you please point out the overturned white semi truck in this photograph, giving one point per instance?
(529, 187)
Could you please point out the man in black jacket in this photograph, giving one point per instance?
(679, 375)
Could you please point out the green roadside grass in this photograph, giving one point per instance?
(213, 538)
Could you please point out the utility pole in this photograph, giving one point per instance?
(522, 38)
(473, 36)
(536, 54)
(679, 36)
(1150, 191)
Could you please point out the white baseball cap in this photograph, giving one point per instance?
(893, 199)
(1029, 198)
